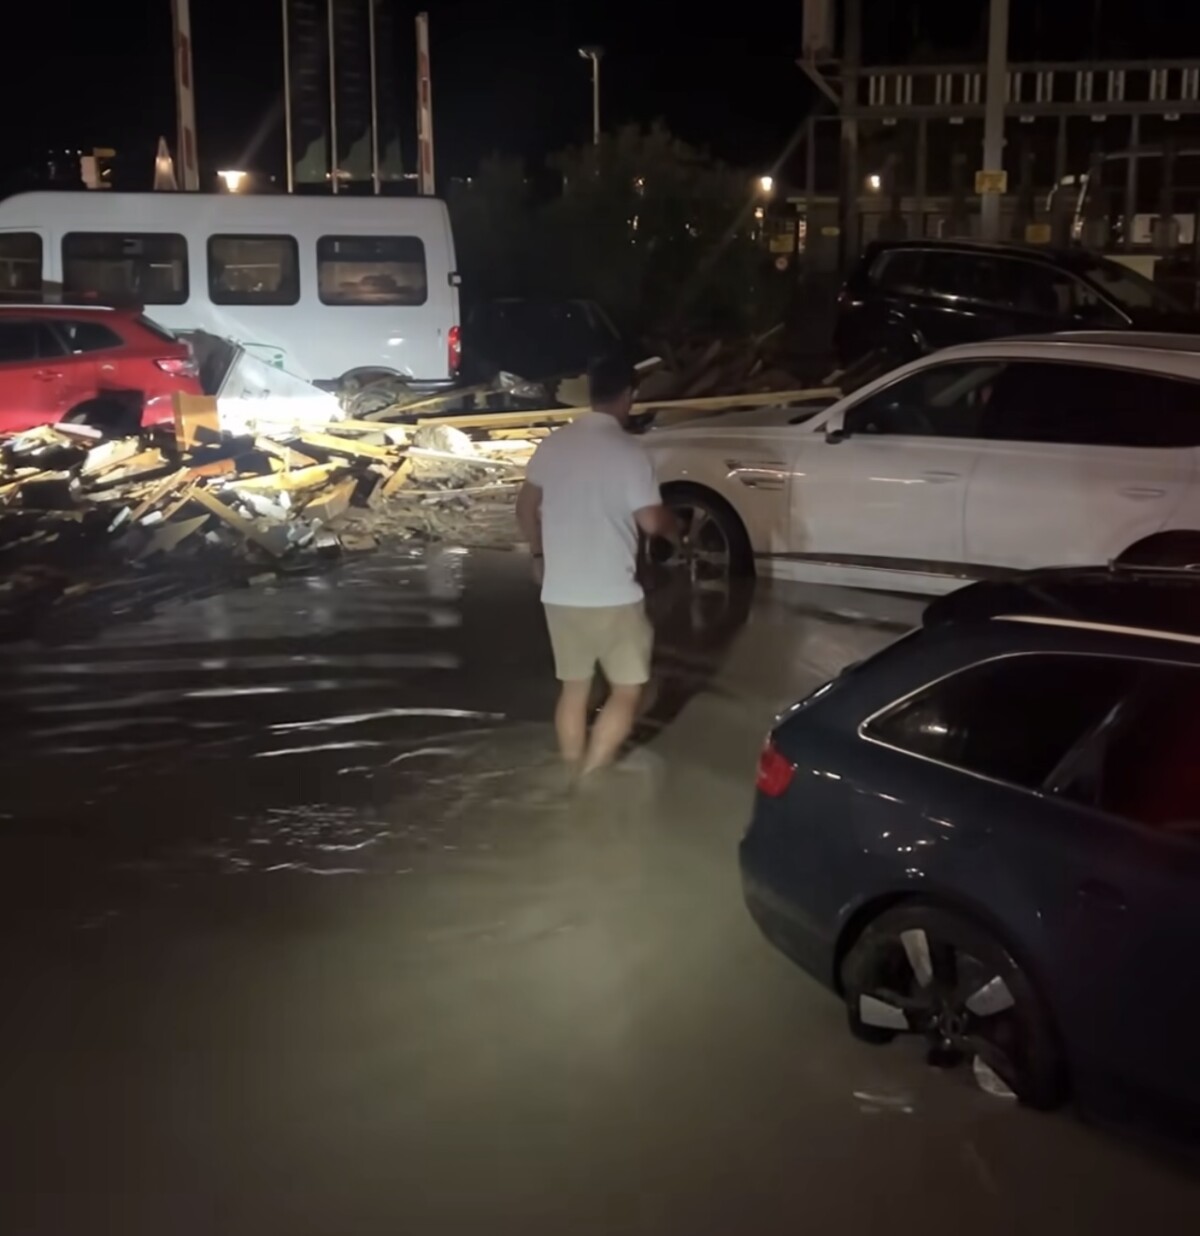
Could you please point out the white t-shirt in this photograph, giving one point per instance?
(593, 476)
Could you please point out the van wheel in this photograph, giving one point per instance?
(113, 419)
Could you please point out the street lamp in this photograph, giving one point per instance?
(233, 180)
(766, 185)
(593, 52)
(875, 182)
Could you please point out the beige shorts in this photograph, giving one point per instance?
(618, 638)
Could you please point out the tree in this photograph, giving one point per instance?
(651, 228)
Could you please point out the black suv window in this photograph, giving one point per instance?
(26, 341)
(1141, 761)
(945, 401)
(1013, 719)
(88, 336)
(900, 270)
(1091, 405)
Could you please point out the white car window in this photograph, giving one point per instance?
(943, 401)
(1093, 405)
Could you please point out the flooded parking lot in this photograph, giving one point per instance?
(301, 936)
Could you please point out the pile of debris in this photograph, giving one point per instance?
(156, 513)
(699, 368)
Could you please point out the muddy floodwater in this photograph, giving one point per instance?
(302, 938)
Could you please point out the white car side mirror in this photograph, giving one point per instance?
(835, 428)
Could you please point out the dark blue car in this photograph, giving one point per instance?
(989, 836)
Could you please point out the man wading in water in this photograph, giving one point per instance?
(589, 489)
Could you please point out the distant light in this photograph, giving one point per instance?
(766, 183)
(234, 180)
(759, 212)
(875, 182)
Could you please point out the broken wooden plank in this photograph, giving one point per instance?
(158, 492)
(128, 470)
(290, 482)
(347, 446)
(183, 498)
(109, 455)
(332, 502)
(397, 479)
(242, 526)
(533, 432)
(197, 421)
(291, 457)
(167, 536)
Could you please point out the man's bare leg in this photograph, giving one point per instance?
(570, 720)
(613, 726)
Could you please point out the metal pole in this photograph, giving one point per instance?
(922, 175)
(374, 100)
(810, 164)
(1131, 182)
(993, 123)
(595, 99)
(333, 143)
(851, 60)
(287, 97)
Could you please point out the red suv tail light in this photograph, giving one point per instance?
(454, 349)
(775, 771)
(177, 367)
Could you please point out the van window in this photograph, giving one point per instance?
(253, 270)
(20, 263)
(145, 268)
(371, 270)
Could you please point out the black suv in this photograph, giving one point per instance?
(913, 297)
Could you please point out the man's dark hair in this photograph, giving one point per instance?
(608, 378)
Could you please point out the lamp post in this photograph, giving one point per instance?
(593, 53)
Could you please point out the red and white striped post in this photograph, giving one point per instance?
(424, 110)
(185, 97)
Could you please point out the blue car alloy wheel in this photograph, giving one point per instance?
(921, 970)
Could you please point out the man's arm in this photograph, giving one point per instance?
(650, 514)
(529, 516)
(659, 520)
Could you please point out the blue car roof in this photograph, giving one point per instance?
(1150, 602)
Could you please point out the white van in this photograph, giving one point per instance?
(324, 287)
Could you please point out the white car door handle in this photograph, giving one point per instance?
(1142, 493)
(941, 477)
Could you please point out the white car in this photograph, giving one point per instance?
(980, 459)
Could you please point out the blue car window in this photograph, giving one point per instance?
(1143, 763)
(1012, 719)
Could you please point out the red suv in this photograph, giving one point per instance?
(111, 368)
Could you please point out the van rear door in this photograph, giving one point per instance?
(23, 252)
(394, 297)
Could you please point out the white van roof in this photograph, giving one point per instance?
(247, 209)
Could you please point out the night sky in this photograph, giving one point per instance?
(506, 76)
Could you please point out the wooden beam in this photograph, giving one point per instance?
(348, 446)
(242, 526)
(398, 478)
(710, 403)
